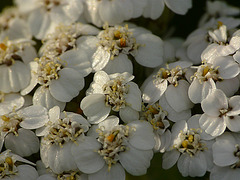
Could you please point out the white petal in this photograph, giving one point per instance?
(60, 159)
(34, 79)
(214, 102)
(165, 139)
(177, 97)
(116, 172)
(86, 156)
(140, 140)
(43, 97)
(115, 12)
(77, 59)
(133, 98)
(94, 108)
(192, 166)
(172, 114)
(153, 9)
(26, 172)
(88, 44)
(73, 9)
(153, 90)
(139, 5)
(236, 57)
(91, 12)
(2, 137)
(46, 177)
(224, 173)
(119, 64)
(100, 59)
(101, 77)
(228, 86)
(67, 86)
(195, 49)
(110, 122)
(228, 68)
(14, 78)
(223, 151)
(151, 54)
(128, 114)
(11, 101)
(136, 161)
(33, 117)
(234, 104)
(39, 22)
(179, 6)
(233, 123)
(214, 126)
(58, 15)
(178, 127)
(198, 91)
(193, 123)
(25, 144)
(170, 158)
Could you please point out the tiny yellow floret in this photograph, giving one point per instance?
(185, 143)
(5, 118)
(110, 138)
(3, 46)
(9, 161)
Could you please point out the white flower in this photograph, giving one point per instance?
(65, 38)
(48, 174)
(156, 117)
(116, 148)
(58, 77)
(44, 15)
(16, 168)
(218, 9)
(115, 44)
(15, 129)
(226, 156)
(10, 101)
(189, 149)
(14, 69)
(112, 92)
(172, 114)
(219, 113)
(154, 8)
(199, 39)
(59, 134)
(220, 74)
(13, 25)
(62, 66)
(221, 45)
(112, 12)
(169, 82)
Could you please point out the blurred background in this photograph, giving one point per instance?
(169, 24)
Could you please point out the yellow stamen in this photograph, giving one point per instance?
(205, 70)
(5, 118)
(117, 34)
(190, 138)
(164, 74)
(123, 42)
(110, 138)
(9, 161)
(153, 110)
(219, 24)
(185, 143)
(3, 46)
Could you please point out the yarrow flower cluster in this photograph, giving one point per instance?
(90, 89)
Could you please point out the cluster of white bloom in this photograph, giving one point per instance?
(55, 54)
